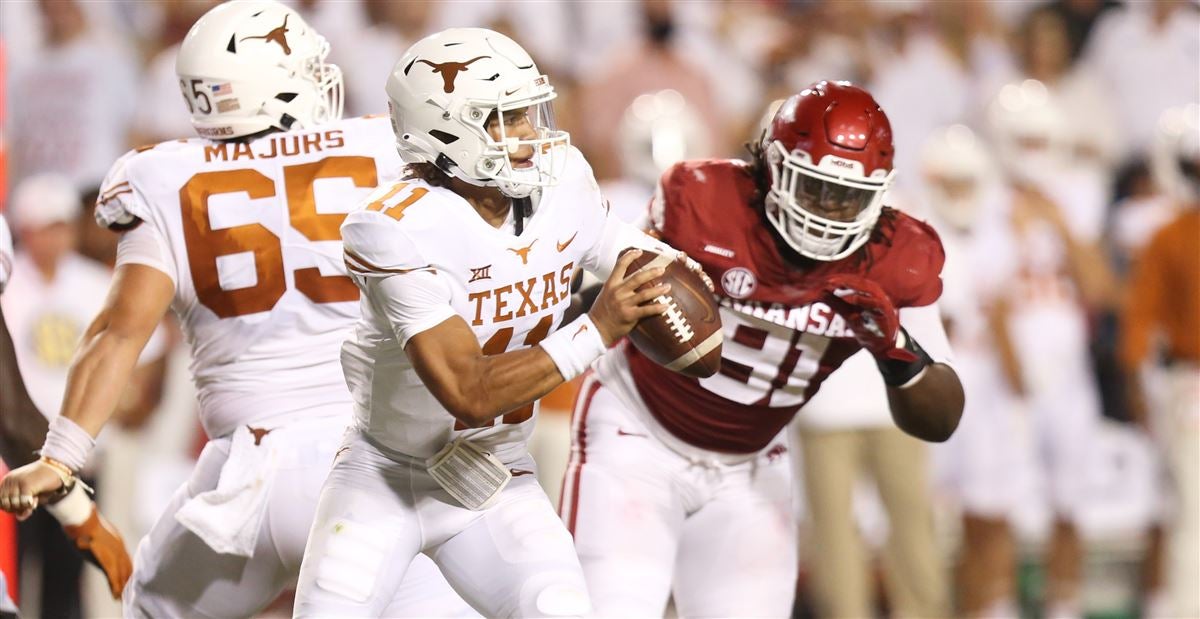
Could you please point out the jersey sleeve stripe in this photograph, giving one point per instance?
(361, 271)
(357, 264)
(115, 191)
(104, 199)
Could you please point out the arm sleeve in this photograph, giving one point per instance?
(412, 302)
(145, 245)
(924, 324)
(615, 236)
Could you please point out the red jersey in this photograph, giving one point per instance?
(781, 340)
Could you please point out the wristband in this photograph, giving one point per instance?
(65, 475)
(74, 509)
(574, 347)
(897, 373)
(68, 443)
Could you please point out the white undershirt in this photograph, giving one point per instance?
(144, 245)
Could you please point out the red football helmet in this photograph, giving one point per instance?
(829, 152)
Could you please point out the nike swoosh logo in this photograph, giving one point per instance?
(622, 432)
(562, 246)
(508, 93)
(519, 472)
(582, 328)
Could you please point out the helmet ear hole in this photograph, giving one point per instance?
(443, 137)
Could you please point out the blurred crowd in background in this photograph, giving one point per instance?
(1030, 133)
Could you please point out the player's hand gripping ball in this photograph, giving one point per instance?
(686, 338)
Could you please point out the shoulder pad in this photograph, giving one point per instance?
(688, 185)
(912, 264)
(376, 246)
(116, 206)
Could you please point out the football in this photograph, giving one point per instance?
(687, 337)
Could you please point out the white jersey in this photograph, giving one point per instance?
(249, 232)
(422, 254)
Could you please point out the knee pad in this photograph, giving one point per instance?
(351, 560)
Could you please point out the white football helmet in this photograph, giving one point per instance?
(251, 65)
(1029, 131)
(1175, 155)
(956, 170)
(445, 89)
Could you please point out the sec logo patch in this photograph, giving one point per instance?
(738, 282)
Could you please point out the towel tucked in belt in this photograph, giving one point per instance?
(229, 517)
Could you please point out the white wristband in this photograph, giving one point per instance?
(74, 509)
(574, 347)
(68, 443)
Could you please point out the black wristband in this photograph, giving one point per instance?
(897, 373)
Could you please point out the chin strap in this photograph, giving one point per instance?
(521, 210)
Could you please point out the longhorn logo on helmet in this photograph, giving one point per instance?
(450, 70)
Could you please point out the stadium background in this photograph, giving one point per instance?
(642, 85)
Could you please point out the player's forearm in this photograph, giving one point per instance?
(615, 238)
(143, 395)
(104, 363)
(930, 407)
(502, 383)
(99, 374)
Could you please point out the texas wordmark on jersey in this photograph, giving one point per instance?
(511, 291)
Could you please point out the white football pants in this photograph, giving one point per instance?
(650, 522)
(377, 512)
(177, 574)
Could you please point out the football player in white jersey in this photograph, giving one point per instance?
(981, 464)
(466, 270)
(237, 231)
(1055, 220)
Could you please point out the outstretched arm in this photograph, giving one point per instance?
(925, 394)
(22, 425)
(931, 406)
(23, 430)
(137, 299)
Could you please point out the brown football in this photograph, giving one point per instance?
(687, 337)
